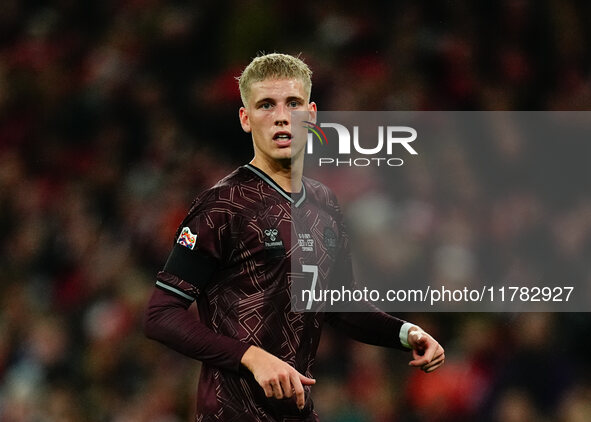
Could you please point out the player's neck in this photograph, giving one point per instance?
(288, 175)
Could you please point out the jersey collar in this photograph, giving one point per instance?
(297, 202)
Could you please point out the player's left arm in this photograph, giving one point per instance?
(373, 326)
(381, 329)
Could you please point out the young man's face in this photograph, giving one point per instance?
(268, 117)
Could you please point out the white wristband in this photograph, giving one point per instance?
(404, 334)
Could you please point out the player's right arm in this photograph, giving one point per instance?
(168, 320)
(192, 265)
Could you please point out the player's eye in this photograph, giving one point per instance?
(294, 103)
(265, 106)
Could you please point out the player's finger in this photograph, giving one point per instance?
(437, 355)
(299, 390)
(286, 386)
(424, 351)
(435, 362)
(268, 389)
(277, 389)
(419, 360)
(434, 367)
(305, 380)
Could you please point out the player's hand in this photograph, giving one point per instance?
(276, 377)
(427, 353)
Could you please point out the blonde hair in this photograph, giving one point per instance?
(274, 65)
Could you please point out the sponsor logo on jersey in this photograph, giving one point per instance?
(273, 244)
(271, 234)
(306, 242)
(187, 239)
(271, 239)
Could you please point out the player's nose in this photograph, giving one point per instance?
(282, 116)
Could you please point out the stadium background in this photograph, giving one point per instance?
(114, 114)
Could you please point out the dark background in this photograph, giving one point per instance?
(115, 114)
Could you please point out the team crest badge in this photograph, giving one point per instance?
(330, 241)
(187, 239)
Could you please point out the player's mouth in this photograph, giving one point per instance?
(282, 139)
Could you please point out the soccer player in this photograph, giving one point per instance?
(233, 255)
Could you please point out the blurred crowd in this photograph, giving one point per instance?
(115, 114)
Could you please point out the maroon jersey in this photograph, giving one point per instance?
(237, 252)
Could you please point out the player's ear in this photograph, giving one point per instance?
(312, 111)
(244, 121)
